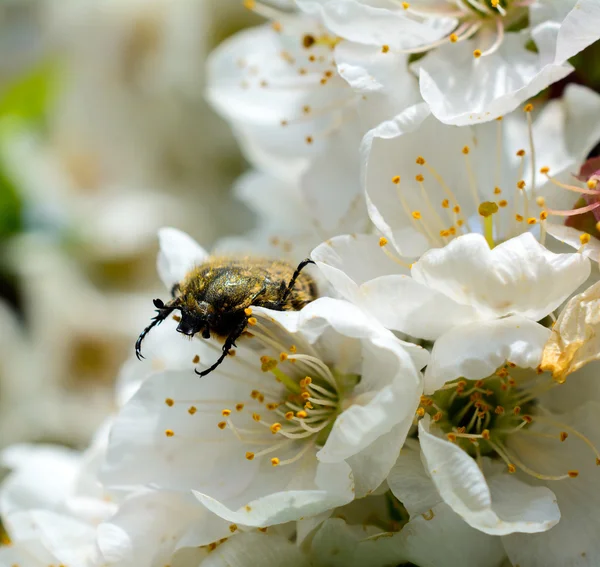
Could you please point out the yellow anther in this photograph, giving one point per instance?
(517, 410)
(466, 150)
(540, 201)
(528, 107)
(485, 434)
(511, 468)
(283, 356)
(518, 218)
(438, 416)
(420, 160)
(456, 209)
(275, 428)
(293, 349)
(248, 311)
(239, 407)
(495, 3)
(308, 380)
(477, 53)
(383, 241)
(592, 183)
(396, 179)
(255, 393)
(196, 359)
(169, 432)
(306, 109)
(272, 406)
(416, 215)
(502, 203)
(289, 415)
(531, 220)
(301, 414)
(256, 416)
(584, 238)
(233, 528)
(192, 410)
(249, 455)
(521, 184)
(544, 170)
(226, 412)
(385, 48)
(488, 208)
(249, 4)
(452, 230)
(252, 321)
(444, 233)
(497, 190)
(543, 215)
(451, 437)
(453, 38)
(563, 435)
(309, 139)
(573, 474)
(598, 226)
(419, 178)
(222, 424)
(521, 153)
(169, 402)
(405, 5)
(274, 461)
(305, 395)
(446, 204)
(420, 412)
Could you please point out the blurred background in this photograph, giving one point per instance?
(105, 136)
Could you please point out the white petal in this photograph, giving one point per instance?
(570, 236)
(390, 387)
(280, 507)
(410, 483)
(476, 350)
(504, 506)
(265, 550)
(574, 541)
(519, 276)
(403, 304)
(482, 89)
(578, 30)
(178, 254)
(383, 24)
(148, 526)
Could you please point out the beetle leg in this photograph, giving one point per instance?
(229, 343)
(163, 311)
(290, 286)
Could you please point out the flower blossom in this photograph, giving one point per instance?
(478, 61)
(307, 415)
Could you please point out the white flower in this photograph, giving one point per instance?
(479, 305)
(293, 216)
(550, 463)
(309, 414)
(495, 178)
(478, 62)
(258, 451)
(279, 88)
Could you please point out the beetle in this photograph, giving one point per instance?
(214, 298)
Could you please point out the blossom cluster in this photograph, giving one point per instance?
(438, 403)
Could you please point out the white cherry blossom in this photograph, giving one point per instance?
(304, 417)
(502, 454)
(479, 63)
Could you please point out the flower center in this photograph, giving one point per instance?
(486, 19)
(482, 417)
(288, 416)
(501, 212)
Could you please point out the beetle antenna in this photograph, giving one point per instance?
(290, 286)
(163, 311)
(229, 343)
